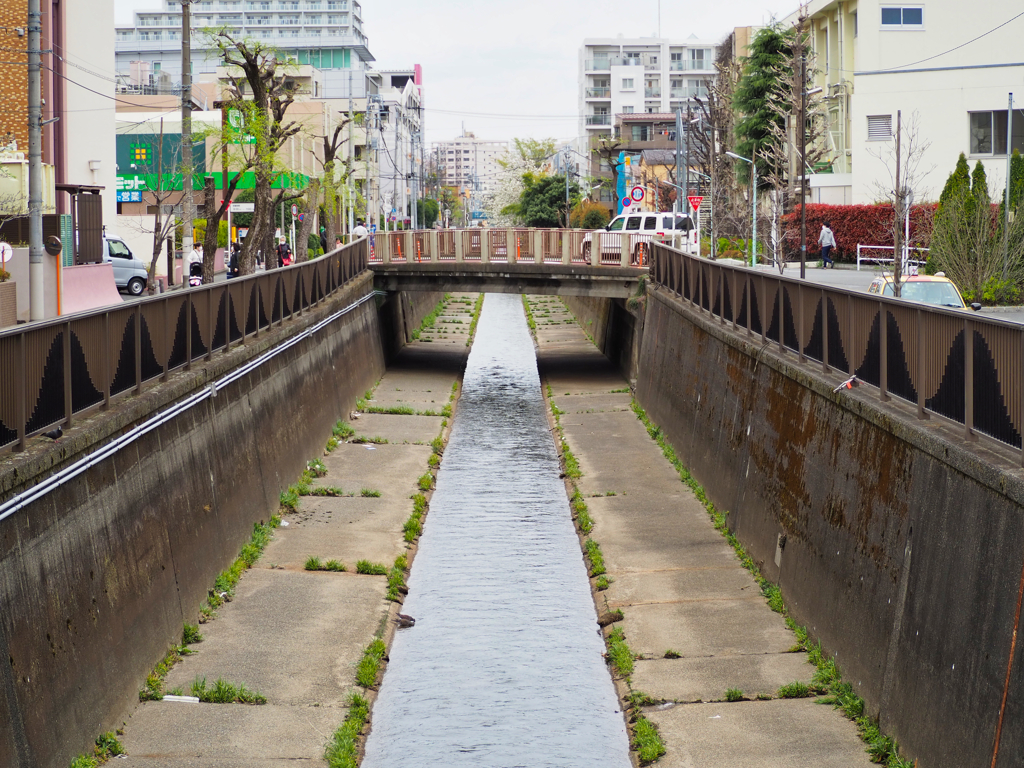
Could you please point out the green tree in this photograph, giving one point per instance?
(427, 211)
(589, 215)
(535, 152)
(542, 203)
(766, 72)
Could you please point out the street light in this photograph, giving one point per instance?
(753, 196)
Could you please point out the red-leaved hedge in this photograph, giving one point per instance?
(853, 224)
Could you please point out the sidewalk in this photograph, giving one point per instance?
(693, 615)
(297, 636)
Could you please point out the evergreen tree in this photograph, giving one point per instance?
(765, 71)
(958, 182)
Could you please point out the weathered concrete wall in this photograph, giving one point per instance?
(904, 546)
(98, 577)
(615, 330)
(401, 313)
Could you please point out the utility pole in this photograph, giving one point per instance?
(35, 163)
(803, 158)
(566, 153)
(897, 249)
(349, 182)
(187, 202)
(679, 138)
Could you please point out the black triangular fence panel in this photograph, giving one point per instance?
(815, 348)
(258, 300)
(836, 355)
(276, 312)
(236, 332)
(199, 349)
(124, 378)
(898, 378)
(870, 369)
(219, 334)
(7, 435)
(990, 412)
(151, 367)
(297, 297)
(773, 326)
(948, 399)
(305, 298)
(179, 351)
(755, 311)
(250, 315)
(791, 339)
(705, 299)
(83, 390)
(49, 405)
(716, 308)
(727, 308)
(686, 281)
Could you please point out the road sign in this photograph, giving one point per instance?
(302, 217)
(295, 210)
(636, 194)
(243, 207)
(695, 201)
(626, 202)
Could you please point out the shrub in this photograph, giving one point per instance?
(853, 224)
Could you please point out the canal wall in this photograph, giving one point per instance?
(896, 543)
(98, 577)
(614, 328)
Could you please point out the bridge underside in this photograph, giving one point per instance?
(550, 279)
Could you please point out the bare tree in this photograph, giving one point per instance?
(902, 159)
(608, 149)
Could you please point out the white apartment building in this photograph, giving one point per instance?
(398, 138)
(327, 34)
(947, 70)
(647, 74)
(471, 164)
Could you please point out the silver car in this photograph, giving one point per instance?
(130, 274)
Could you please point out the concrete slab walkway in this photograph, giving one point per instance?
(692, 613)
(296, 636)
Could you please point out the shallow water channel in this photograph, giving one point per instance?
(504, 665)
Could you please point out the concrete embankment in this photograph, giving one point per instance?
(297, 629)
(98, 577)
(694, 623)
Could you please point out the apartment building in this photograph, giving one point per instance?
(398, 138)
(948, 72)
(470, 164)
(647, 74)
(326, 34)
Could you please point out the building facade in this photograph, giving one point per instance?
(471, 165)
(948, 73)
(327, 34)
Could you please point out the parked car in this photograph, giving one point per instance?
(130, 274)
(641, 228)
(928, 289)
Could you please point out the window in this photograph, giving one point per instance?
(633, 223)
(903, 17)
(627, 109)
(651, 222)
(879, 127)
(627, 83)
(988, 132)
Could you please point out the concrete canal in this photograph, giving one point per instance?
(504, 666)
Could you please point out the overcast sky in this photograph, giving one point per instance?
(508, 68)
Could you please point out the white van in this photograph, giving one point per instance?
(130, 274)
(642, 227)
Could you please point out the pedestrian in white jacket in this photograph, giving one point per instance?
(827, 241)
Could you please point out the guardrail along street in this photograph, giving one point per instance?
(946, 362)
(56, 370)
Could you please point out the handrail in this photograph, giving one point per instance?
(949, 363)
(56, 370)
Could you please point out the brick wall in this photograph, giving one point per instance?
(14, 73)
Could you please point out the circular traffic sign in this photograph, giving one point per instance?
(637, 194)
(295, 210)
(626, 202)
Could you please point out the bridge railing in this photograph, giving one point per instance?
(948, 363)
(480, 245)
(55, 371)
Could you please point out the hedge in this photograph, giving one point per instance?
(853, 224)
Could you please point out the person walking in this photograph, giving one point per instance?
(359, 230)
(284, 253)
(827, 241)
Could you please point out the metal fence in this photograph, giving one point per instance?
(57, 370)
(948, 363)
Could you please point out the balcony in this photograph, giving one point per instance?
(599, 93)
(692, 65)
(652, 93)
(598, 65)
(599, 119)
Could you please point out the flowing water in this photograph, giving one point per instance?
(504, 665)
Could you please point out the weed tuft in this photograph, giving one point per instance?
(371, 569)
(593, 552)
(190, 635)
(619, 653)
(342, 750)
(335, 566)
(313, 564)
(670, 654)
(369, 493)
(224, 692)
(647, 741)
(369, 665)
(326, 490)
(794, 690)
(316, 467)
(734, 694)
(426, 482)
(602, 583)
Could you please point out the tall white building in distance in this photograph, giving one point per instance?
(620, 75)
(471, 165)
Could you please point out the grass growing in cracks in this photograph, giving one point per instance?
(369, 665)
(343, 749)
(431, 318)
(105, 747)
(828, 678)
(224, 692)
(371, 569)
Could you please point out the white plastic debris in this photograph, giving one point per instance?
(370, 447)
(284, 523)
(182, 699)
